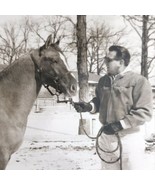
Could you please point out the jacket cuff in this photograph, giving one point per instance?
(93, 110)
(124, 125)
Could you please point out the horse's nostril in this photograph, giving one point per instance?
(73, 88)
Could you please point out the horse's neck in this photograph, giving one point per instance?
(19, 87)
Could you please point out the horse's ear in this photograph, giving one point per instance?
(57, 42)
(48, 41)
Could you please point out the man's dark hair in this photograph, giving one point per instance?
(121, 53)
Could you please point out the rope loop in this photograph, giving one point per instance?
(99, 149)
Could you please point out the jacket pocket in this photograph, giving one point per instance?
(122, 101)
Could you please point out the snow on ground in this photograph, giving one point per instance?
(55, 155)
(52, 142)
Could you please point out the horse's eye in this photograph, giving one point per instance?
(54, 61)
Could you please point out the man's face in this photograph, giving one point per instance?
(113, 65)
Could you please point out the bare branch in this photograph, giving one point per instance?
(133, 24)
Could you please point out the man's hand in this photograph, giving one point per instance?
(82, 106)
(112, 128)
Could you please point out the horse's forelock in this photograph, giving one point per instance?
(57, 48)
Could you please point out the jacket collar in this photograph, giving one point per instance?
(120, 75)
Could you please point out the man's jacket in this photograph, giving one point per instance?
(126, 97)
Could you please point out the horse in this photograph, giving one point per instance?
(20, 84)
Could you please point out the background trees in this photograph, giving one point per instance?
(100, 37)
(14, 40)
(82, 57)
(21, 36)
(144, 26)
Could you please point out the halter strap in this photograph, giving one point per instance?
(38, 74)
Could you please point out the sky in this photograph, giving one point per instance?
(116, 22)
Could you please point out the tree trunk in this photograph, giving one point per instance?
(97, 52)
(144, 66)
(82, 58)
(84, 124)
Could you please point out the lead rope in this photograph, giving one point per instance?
(119, 143)
(98, 147)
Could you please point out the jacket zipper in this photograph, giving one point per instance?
(109, 106)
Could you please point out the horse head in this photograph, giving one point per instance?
(53, 69)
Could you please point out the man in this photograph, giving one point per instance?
(124, 102)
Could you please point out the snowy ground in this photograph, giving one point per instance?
(52, 142)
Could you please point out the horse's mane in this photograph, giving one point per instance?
(13, 67)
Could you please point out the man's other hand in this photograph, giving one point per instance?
(112, 128)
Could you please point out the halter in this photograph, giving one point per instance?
(39, 74)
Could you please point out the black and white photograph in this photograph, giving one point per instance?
(77, 92)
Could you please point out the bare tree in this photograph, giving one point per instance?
(100, 37)
(82, 57)
(13, 41)
(55, 25)
(60, 27)
(144, 67)
(82, 67)
(145, 28)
